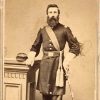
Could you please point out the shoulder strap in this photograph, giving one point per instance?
(53, 37)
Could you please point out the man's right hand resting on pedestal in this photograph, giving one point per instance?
(31, 58)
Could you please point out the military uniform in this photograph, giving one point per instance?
(49, 64)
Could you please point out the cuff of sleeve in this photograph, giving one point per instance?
(69, 57)
(31, 54)
(75, 52)
(34, 50)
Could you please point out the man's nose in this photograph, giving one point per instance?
(52, 16)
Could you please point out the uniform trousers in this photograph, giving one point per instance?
(51, 97)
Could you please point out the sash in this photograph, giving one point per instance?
(53, 38)
(60, 74)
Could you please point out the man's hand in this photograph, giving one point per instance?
(67, 61)
(31, 58)
(66, 65)
(30, 62)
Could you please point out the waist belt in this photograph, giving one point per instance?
(52, 53)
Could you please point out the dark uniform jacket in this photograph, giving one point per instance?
(49, 65)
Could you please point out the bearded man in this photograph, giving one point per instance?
(53, 37)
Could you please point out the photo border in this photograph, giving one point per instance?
(2, 22)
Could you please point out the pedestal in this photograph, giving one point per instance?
(19, 80)
(15, 80)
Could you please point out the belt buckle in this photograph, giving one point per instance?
(50, 54)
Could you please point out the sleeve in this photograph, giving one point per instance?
(37, 43)
(74, 45)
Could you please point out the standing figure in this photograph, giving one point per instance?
(52, 71)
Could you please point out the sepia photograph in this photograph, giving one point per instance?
(49, 49)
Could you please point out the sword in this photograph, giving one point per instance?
(71, 92)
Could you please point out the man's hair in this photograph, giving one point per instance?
(52, 5)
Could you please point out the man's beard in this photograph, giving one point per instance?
(52, 22)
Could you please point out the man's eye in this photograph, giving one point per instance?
(50, 12)
(55, 12)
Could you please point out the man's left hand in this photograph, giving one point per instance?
(66, 65)
(67, 60)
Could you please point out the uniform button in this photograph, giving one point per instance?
(50, 44)
(50, 92)
(50, 48)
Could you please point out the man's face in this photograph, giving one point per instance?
(53, 16)
(53, 12)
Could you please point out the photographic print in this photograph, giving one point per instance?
(49, 50)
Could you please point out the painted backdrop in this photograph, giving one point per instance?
(23, 18)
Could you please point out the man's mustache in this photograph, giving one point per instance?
(52, 21)
(52, 18)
